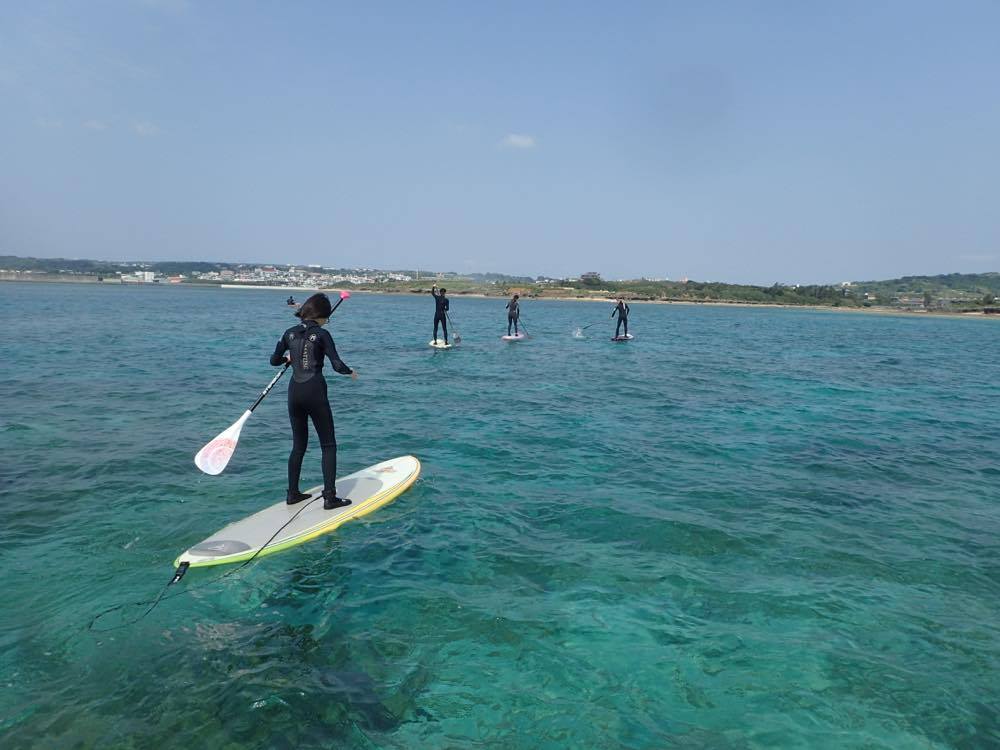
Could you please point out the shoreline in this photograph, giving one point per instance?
(697, 303)
(890, 311)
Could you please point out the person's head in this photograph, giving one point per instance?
(316, 308)
(516, 296)
(443, 290)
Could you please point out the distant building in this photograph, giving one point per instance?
(590, 276)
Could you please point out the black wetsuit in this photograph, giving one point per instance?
(440, 314)
(622, 310)
(513, 314)
(308, 343)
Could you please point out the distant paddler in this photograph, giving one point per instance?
(291, 301)
(621, 310)
(303, 347)
(513, 313)
(441, 307)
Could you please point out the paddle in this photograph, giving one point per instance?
(596, 322)
(214, 456)
(520, 324)
(457, 337)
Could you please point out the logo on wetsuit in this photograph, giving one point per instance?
(306, 351)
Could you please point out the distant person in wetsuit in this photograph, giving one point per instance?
(290, 301)
(621, 310)
(304, 346)
(513, 313)
(441, 308)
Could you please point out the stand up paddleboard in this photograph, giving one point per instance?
(626, 337)
(516, 337)
(439, 344)
(367, 490)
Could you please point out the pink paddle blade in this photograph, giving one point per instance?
(215, 455)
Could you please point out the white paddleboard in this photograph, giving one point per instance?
(439, 344)
(626, 337)
(516, 337)
(367, 490)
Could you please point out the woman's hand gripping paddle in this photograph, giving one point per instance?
(214, 456)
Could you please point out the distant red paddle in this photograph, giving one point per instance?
(214, 456)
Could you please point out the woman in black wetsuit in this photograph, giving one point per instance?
(621, 309)
(303, 347)
(440, 312)
(513, 313)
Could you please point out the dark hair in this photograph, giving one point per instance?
(443, 290)
(316, 307)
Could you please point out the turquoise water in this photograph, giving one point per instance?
(747, 528)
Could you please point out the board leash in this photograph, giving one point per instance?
(178, 575)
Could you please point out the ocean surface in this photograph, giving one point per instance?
(747, 528)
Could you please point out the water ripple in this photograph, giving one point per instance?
(746, 528)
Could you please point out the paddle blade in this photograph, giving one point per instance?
(214, 457)
(345, 294)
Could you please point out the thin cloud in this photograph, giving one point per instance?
(518, 140)
(96, 125)
(146, 129)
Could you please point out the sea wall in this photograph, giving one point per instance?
(58, 277)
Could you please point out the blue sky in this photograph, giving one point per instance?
(736, 141)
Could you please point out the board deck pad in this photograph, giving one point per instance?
(518, 337)
(626, 337)
(367, 490)
(439, 344)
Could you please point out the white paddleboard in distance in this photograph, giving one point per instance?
(439, 344)
(367, 490)
(626, 337)
(516, 337)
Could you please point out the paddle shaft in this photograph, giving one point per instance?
(276, 378)
(595, 323)
(457, 336)
(270, 385)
